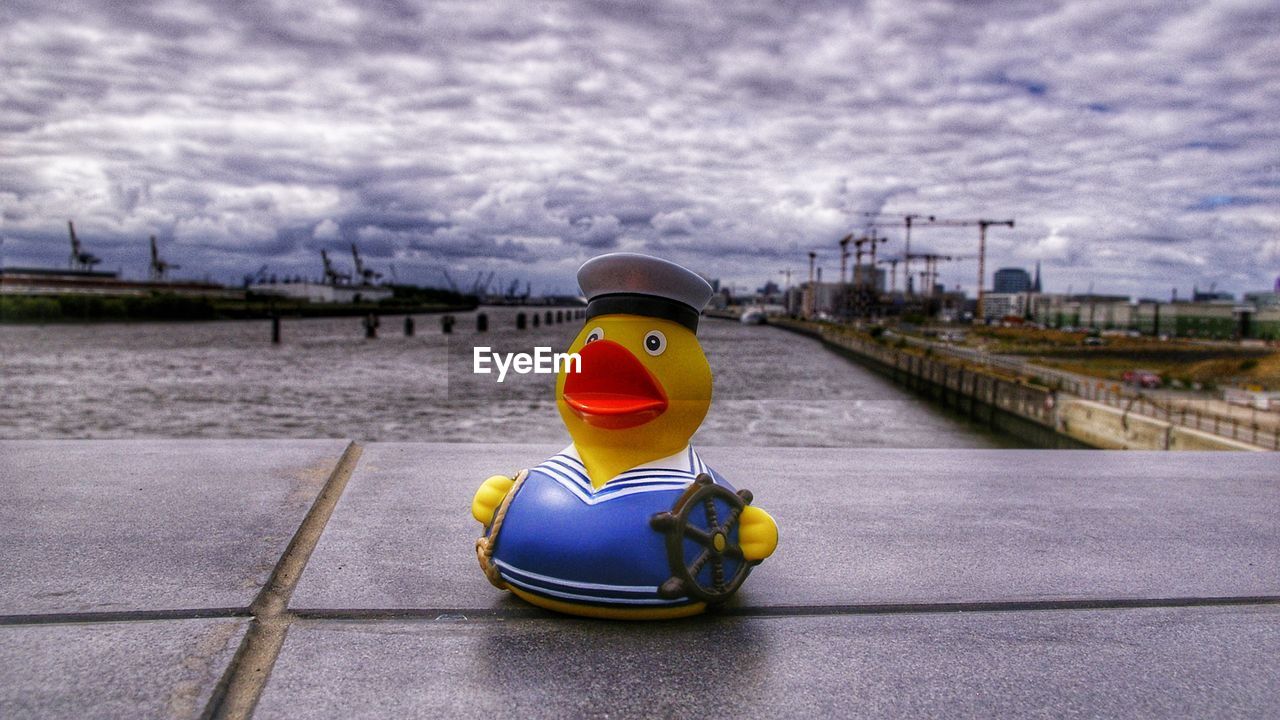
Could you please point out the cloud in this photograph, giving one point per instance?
(1134, 143)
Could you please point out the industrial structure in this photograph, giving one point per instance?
(338, 286)
(866, 293)
(82, 279)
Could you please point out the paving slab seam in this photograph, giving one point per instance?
(124, 616)
(456, 614)
(240, 687)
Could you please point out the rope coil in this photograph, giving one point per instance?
(485, 543)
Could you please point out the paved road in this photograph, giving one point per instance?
(321, 579)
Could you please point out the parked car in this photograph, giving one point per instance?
(1141, 378)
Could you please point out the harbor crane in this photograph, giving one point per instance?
(331, 275)
(982, 225)
(159, 268)
(256, 278)
(367, 276)
(452, 285)
(482, 283)
(81, 259)
(906, 220)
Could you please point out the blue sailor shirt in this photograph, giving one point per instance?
(563, 539)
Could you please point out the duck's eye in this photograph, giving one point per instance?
(655, 342)
(594, 335)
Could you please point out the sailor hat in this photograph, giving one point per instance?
(635, 284)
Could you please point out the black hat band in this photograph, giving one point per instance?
(646, 305)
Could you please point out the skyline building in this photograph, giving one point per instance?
(1011, 280)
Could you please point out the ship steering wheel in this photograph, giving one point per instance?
(718, 550)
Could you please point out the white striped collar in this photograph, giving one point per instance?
(672, 472)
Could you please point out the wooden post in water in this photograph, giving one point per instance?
(482, 322)
(408, 326)
(446, 324)
(275, 329)
(520, 321)
(371, 323)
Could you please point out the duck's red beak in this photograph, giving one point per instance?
(614, 390)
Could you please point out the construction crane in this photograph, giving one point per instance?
(844, 255)
(786, 289)
(930, 274)
(81, 259)
(367, 276)
(331, 275)
(893, 273)
(159, 268)
(982, 225)
(811, 295)
(870, 239)
(906, 220)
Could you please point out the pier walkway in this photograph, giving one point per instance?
(277, 579)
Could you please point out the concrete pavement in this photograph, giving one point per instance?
(181, 578)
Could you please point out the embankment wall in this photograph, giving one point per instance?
(1033, 413)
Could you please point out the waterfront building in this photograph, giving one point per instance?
(1106, 312)
(1262, 300)
(1011, 280)
(1214, 321)
(324, 292)
(833, 298)
(1265, 324)
(1198, 295)
(997, 306)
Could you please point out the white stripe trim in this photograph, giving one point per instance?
(682, 478)
(609, 492)
(574, 583)
(566, 483)
(572, 462)
(593, 598)
(571, 474)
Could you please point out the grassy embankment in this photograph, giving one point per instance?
(1181, 363)
(169, 307)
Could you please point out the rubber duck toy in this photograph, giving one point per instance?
(627, 522)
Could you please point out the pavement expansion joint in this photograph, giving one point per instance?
(246, 677)
(123, 616)
(501, 614)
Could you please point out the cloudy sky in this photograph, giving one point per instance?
(1137, 145)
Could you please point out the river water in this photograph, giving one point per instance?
(226, 379)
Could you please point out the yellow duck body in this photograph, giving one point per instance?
(644, 388)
